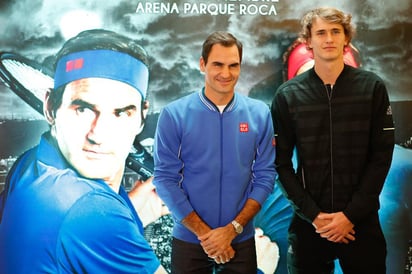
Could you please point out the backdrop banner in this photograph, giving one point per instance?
(172, 32)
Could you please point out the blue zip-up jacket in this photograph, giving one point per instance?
(54, 221)
(211, 162)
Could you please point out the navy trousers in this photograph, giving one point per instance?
(189, 258)
(310, 253)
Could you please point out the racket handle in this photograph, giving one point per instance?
(141, 162)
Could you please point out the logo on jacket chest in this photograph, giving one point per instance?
(244, 127)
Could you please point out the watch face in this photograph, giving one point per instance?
(238, 227)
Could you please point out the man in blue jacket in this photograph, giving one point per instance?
(64, 209)
(214, 166)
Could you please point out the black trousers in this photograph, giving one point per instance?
(190, 258)
(310, 253)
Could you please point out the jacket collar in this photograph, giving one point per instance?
(210, 105)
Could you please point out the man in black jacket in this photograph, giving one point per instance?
(338, 121)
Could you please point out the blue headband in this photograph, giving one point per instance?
(108, 64)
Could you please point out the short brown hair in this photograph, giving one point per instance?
(330, 15)
(223, 38)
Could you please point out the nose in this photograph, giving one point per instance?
(100, 129)
(329, 37)
(225, 72)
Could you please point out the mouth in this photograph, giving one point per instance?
(225, 82)
(95, 155)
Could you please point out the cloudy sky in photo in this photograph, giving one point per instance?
(37, 28)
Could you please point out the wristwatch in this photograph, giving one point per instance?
(238, 227)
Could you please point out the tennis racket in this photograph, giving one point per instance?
(31, 80)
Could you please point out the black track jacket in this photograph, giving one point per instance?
(344, 138)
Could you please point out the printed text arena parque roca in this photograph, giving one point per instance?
(207, 8)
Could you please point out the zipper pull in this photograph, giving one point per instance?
(329, 89)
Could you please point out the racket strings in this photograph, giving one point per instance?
(31, 79)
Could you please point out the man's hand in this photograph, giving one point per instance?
(217, 243)
(320, 221)
(147, 203)
(335, 227)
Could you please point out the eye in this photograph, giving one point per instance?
(84, 111)
(80, 110)
(124, 113)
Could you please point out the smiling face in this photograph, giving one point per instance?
(95, 126)
(327, 41)
(221, 72)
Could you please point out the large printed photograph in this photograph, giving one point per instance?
(172, 33)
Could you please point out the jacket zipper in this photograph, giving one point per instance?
(221, 165)
(329, 91)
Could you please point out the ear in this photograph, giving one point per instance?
(308, 43)
(47, 109)
(202, 64)
(145, 109)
